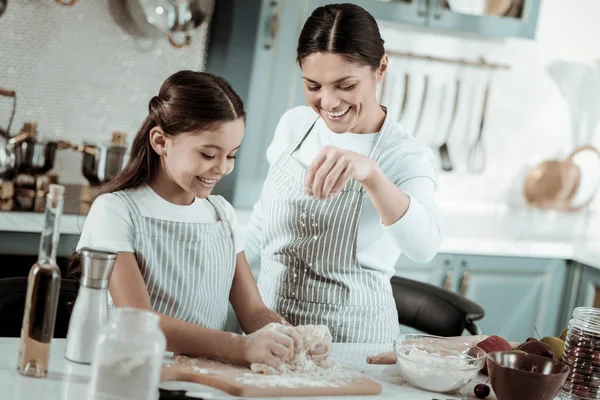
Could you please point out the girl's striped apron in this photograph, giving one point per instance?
(309, 269)
(188, 267)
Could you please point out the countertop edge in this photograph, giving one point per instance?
(582, 251)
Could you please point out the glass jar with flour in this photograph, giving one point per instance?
(128, 356)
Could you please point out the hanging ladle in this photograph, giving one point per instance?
(422, 106)
(2, 6)
(476, 160)
(443, 150)
(404, 96)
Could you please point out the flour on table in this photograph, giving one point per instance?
(303, 361)
(331, 374)
(200, 370)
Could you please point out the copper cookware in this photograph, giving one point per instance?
(553, 184)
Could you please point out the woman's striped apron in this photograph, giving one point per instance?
(310, 273)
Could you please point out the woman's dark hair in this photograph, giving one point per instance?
(344, 29)
(188, 101)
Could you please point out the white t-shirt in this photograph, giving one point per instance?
(319, 138)
(108, 225)
(407, 163)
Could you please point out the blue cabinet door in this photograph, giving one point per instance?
(406, 12)
(519, 295)
(588, 291)
(271, 93)
(523, 24)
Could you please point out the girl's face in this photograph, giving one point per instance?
(197, 161)
(343, 93)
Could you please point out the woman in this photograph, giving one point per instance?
(347, 191)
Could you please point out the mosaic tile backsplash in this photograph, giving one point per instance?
(80, 75)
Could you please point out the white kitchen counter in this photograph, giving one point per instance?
(467, 230)
(68, 381)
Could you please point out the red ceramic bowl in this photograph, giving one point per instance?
(516, 376)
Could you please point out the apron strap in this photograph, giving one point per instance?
(220, 209)
(382, 137)
(300, 139)
(131, 205)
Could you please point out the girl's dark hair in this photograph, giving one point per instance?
(344, 29)
(188, 101)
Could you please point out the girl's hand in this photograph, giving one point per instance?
(272, 344)
(319, 352)
(333, 167)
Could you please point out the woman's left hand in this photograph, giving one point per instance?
(333, 167)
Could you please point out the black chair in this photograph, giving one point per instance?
(434, 310)
(13, 292)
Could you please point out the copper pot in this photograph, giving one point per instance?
(554, 184)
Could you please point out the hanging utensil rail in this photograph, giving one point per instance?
(481, 62)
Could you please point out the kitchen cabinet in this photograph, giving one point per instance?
(271, 92)
(408, 12)
(588, 291)
(519, 295)
(436, 15)
(523, 24)
(438, 272)
(28, 244)
(583, 290)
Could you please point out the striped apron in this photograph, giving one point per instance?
(188, 267)
(310, 273)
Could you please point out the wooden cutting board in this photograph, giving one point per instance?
(240, 381)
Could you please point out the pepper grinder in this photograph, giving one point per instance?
(90, 312)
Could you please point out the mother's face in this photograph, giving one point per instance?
(342, 92)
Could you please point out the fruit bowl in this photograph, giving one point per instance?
(437, 364)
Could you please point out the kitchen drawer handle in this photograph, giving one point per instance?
(447, 283)
(273, 25)
(437, 9)
(465, 280)
(68, 3)
(422, 8)
(184, 44)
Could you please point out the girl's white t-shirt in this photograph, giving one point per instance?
(109, 226)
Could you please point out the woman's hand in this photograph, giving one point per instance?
(271, 345)
(333, 167)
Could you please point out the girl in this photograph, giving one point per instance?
(180, 249)
(347, 191)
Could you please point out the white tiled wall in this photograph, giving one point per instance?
(527, 121)
(79, 75)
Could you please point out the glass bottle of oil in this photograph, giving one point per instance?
(43, 289)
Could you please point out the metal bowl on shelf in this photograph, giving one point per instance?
(102, 163)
